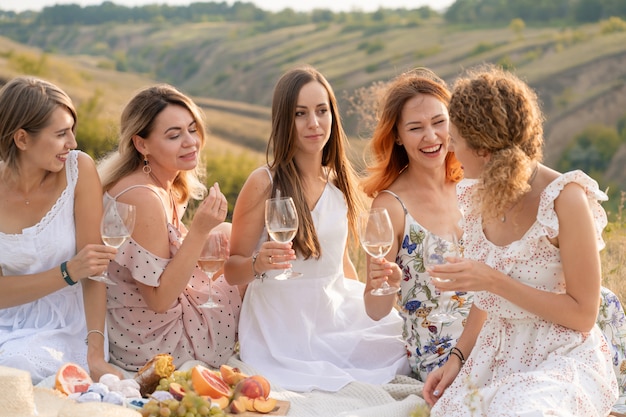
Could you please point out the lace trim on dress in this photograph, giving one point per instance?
(71, 174)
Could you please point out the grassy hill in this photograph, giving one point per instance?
(579, 72)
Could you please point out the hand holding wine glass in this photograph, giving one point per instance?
(212, 258)
(116, 227)
(281, 222)
(376, 236)
(437, 248)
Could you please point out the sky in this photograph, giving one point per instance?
(270, 5)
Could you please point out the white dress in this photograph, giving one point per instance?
(312, 332)
(521, 364)
(41, 335)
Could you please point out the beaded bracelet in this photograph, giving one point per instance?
(66, 275)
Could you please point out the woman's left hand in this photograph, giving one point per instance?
(99, 367)
(462, 274)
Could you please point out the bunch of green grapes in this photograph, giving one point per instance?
(191, 405)
(181, 377)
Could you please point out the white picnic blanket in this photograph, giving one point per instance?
(395, 399)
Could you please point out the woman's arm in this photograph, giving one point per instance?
(441, 378)
(577, 308)
(248, 224)
(378, 272)
(87, 213)
(152, 234)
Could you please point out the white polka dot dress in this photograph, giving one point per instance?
(522, 365)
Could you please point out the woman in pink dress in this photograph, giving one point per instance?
(532, 237)
(154, 308)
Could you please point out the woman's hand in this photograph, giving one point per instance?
(462, 274)
(274, 256)
(440, 379)
(381, 270)
(92, 260)
(211, 211)
(99, 367)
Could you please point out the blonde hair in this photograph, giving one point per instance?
(28, 103)
(386, 159)
(138, 119)
(497, 113)
(282, 145)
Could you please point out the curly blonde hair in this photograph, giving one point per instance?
(498, 114)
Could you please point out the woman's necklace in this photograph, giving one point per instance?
(530, 182)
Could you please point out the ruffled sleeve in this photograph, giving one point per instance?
(144, 266)
(547, 217)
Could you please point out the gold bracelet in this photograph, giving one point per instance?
(93, 331)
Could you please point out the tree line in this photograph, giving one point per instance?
(473, 12)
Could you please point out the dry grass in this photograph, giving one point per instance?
(614, 254)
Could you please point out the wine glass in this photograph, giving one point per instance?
(376, 236)
(436, 248)
(281, 222)
(212, 258)
(116, 227)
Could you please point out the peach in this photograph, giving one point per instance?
(177, 391)
(263, 405)
(231, 375)
(237, 407)
(265, 384)
(222, 402)
(250, 388)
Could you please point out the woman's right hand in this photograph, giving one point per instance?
(93, 259)
(211, 211)
(381, 270)
(439, 380)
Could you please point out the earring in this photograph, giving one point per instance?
(146, 167)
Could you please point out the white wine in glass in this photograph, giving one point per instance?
(376, 237)
(116, 227)
(281, 222)
(436, 250)
(212, 258)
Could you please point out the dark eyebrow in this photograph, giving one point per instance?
(419, 123)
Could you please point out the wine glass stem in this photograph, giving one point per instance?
(210, 276)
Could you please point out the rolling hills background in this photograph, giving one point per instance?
(231, 65)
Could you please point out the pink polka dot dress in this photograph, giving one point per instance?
(184, 331)
(521, 364)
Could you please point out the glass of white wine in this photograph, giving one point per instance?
(116, 227)
(376, 237)
(436, 249)
(212, 258)
(281, 222)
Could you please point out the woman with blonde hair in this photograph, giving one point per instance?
(155, 306)
(531, 346)
(50, 209)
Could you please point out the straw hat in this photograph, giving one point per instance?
(20, 399)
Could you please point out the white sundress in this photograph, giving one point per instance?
(312, 332)
(42, 335)
(521, 364)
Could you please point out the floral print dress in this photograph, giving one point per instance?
(427, 343)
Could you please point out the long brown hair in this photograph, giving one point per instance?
(386, 158)
(282, 147)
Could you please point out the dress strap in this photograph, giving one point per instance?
(397, 198)
(140, 186)
(269, 173)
